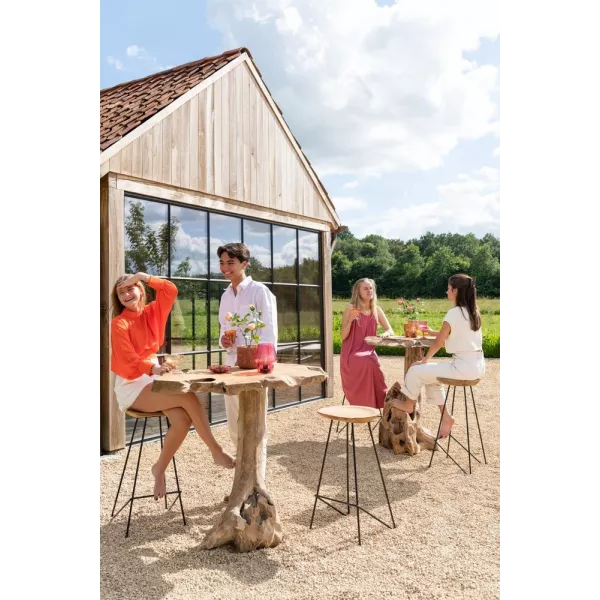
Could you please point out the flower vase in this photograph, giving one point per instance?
(246, 357)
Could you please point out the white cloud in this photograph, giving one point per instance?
(350, 185)
(136, 51)
(115, 62)
(371, 89)
(344, 204)
(469, 204)
(496, 151)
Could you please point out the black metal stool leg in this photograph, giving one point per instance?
(479, 428)
(347, 470)
(467, 421)
(321, 475)
(161, 445)
(137, 468)
(451, 412)
(124, 468)
(177, 481)
(381, 473)
(356, 484)
(437, 435)
(337, 427)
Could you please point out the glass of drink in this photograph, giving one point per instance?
(423, 326)
(356, 313)
(231, 334)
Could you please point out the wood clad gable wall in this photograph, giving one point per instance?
(226, 141)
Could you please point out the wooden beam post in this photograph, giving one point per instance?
(327, 310)
(112, 264)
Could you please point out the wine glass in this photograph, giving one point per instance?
(423, 326)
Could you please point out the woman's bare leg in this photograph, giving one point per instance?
(180, 426)
(149, 401)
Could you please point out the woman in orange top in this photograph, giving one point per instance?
(137, 332)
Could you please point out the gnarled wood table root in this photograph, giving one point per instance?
(250, 520)
(399, 431)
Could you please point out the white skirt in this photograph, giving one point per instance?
(127, 390)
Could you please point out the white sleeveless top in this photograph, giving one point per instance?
(462, 338)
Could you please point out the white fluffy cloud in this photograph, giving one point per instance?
(346, 204)
(115, 62)
(371, 89)
(469, 204)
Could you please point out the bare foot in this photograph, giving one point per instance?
(160, 485)
(447, 423)
(223, 459)
(406, 405)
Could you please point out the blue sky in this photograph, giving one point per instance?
(396, 104)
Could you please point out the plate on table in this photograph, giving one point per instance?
(219, 368)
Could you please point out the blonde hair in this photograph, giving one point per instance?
(117, 307)
(356, 294)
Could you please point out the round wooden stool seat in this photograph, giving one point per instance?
(143, 415)
(459, 382)
(349, 414)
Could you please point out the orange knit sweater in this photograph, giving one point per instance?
(135, 336)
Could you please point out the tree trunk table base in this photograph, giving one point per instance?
(250, 520)
(399, 431)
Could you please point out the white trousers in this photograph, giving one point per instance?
(232, 408)
(470, 365)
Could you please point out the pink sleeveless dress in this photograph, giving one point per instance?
(362, 379)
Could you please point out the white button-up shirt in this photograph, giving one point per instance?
(249, 292)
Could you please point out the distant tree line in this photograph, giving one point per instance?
(418, 267)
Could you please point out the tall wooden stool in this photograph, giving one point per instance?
(137, 416)
(337, 427)
(350, 415)
(464, 383)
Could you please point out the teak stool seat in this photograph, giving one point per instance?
(137, 415)
(454, 383)
(350, 415)
(337, 427)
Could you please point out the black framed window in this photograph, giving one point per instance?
(180, 243)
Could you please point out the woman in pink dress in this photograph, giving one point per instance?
(362, 379)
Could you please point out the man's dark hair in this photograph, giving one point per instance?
(237, 250)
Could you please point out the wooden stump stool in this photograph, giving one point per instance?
(137, 416)
(350, 415)
(454, 383)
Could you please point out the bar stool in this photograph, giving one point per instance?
(137, 416)
(337, 427)
(350, 415)
(464, 383)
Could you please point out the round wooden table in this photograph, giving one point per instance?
(250, 520)
(398, 430)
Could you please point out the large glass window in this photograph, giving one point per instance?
(181, 243)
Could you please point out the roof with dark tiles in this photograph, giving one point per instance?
(127, 105)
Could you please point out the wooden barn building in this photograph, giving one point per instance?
(192, 158)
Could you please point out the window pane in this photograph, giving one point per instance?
(310, 354)
(189, 251)
(217, 409)
(146, 237)
(188, 317)
(284, 254)
(308, 244)
(257, 236)
(216, 291)
(223, 230)
(286, 396)
(287, 313)
(310, 314)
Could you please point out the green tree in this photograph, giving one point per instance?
(438, 269)
(486, 270)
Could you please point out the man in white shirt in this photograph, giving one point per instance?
(237, 298)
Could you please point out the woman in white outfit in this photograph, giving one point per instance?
(461, 333)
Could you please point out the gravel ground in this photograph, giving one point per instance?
(445, 545)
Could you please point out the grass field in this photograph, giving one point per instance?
(433, 311)
(189, 324)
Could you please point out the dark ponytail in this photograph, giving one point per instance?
(467, 297)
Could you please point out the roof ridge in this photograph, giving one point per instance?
(225, 54)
